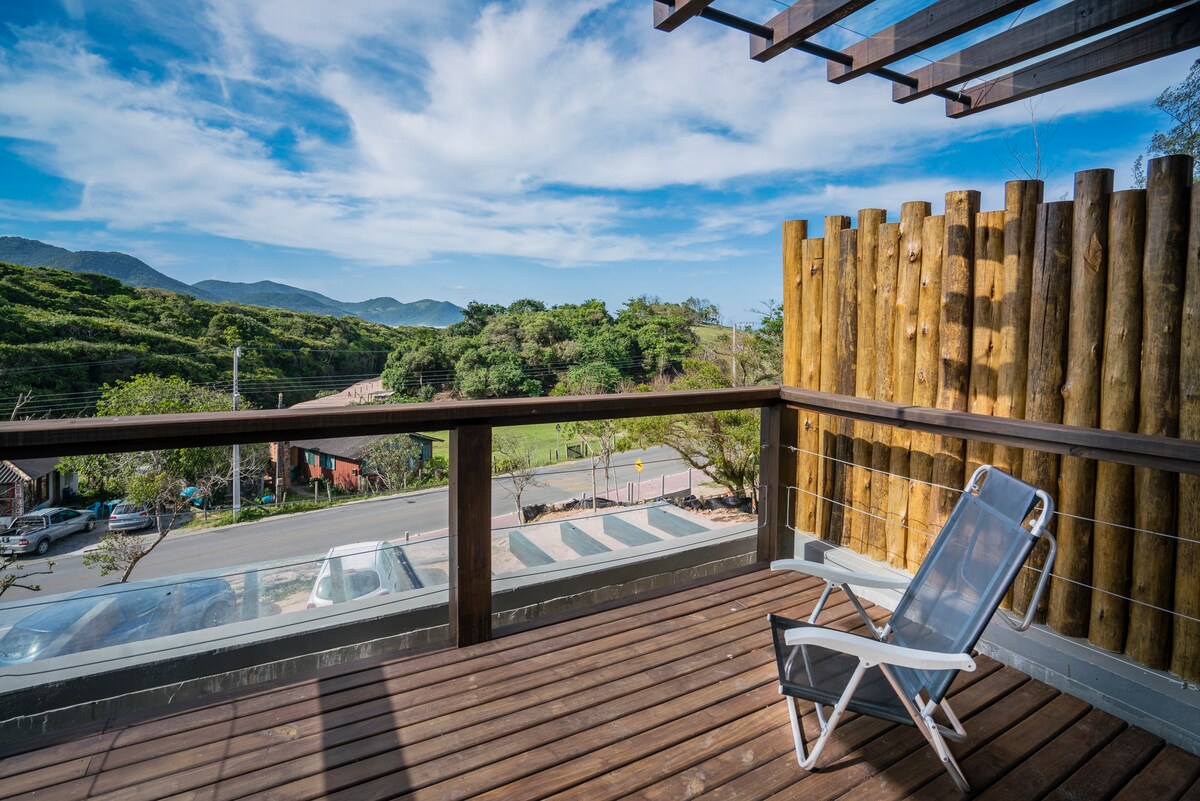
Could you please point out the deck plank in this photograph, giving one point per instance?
(666, 697)
(371, 723)
(222, 708)
(361, 679)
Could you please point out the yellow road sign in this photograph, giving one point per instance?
(638, 465)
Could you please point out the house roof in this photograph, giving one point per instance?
(350, 447)
(363, 391)
(13, 471)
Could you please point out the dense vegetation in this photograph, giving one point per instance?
(63, 335)
(530, 349)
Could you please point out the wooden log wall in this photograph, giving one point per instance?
(1084, 311)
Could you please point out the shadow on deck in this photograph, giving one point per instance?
(667, 697)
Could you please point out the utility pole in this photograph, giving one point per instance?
(278, 457)
(733, 355)
(237, 449)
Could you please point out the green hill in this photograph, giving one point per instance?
(387, 311)
(64, 334)
(121, 266)
(270, 294)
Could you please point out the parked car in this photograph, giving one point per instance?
(368, 569)
(33, 532)
(117, 614)
(129, 516)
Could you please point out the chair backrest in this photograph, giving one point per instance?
(966, 574)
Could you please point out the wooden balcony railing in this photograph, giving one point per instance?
(471, 424)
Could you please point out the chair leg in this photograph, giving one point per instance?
(797, 730)
(934, 735)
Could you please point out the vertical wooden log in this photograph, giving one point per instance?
(470, 539)
(904, 366)
(1168, 201)
(1048, 310)
(1021, 199)
(809, 482)
(1070, 593)
(831, 295)
(929, 310)
(1113, 536)
(1185, 651)
(869, 221)
(985, 326)
(794, 234)
(954, 332)
(847, 343)
(887, 267)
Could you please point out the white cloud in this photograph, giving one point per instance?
(527, 129)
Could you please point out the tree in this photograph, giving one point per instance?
(724, 445)
(394, 460)
(604, 438)
(1181, 103)
(157, 478)
(514, 459)
(14, 573)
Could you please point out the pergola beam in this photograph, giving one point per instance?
(670, 14)
(1058, 28)
(1162, 36)
(800, 21)
(932, 25)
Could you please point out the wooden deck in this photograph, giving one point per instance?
(667, 698)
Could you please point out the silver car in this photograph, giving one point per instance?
(33, 532)
(129, 516)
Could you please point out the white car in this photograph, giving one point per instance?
(368, 569)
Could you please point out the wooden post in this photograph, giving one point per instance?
(794, 234)
(778, 428)
(1185, 652)
(904, 366)
(809, 481)
(869, 221)
(1048, 311)
(985, 326)
(847, 344)
(1168, 201)
(1021, 199)
(954, 331)
(1113, 544)
(929, 309)
(470, 534)
(831, 294)
(1070, 596)
(887, 267)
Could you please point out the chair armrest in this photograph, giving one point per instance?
(839, 576)
(874, 652)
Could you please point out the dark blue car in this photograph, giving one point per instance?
(116, 614)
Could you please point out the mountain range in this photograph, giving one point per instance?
(135, 272)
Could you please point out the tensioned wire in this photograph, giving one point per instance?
(959, 490)
(791, 527)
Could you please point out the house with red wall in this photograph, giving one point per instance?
(340, 460)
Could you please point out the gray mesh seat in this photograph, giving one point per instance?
(902, 673)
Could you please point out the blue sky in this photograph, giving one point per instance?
(555, 149)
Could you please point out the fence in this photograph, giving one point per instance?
(1084, 312)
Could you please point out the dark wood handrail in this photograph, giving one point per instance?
(1162, 453)
(85, 435)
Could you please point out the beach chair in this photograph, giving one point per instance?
(903, 672)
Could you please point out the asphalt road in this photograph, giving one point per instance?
(311, 534)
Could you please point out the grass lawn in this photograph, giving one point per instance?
(540, 437)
